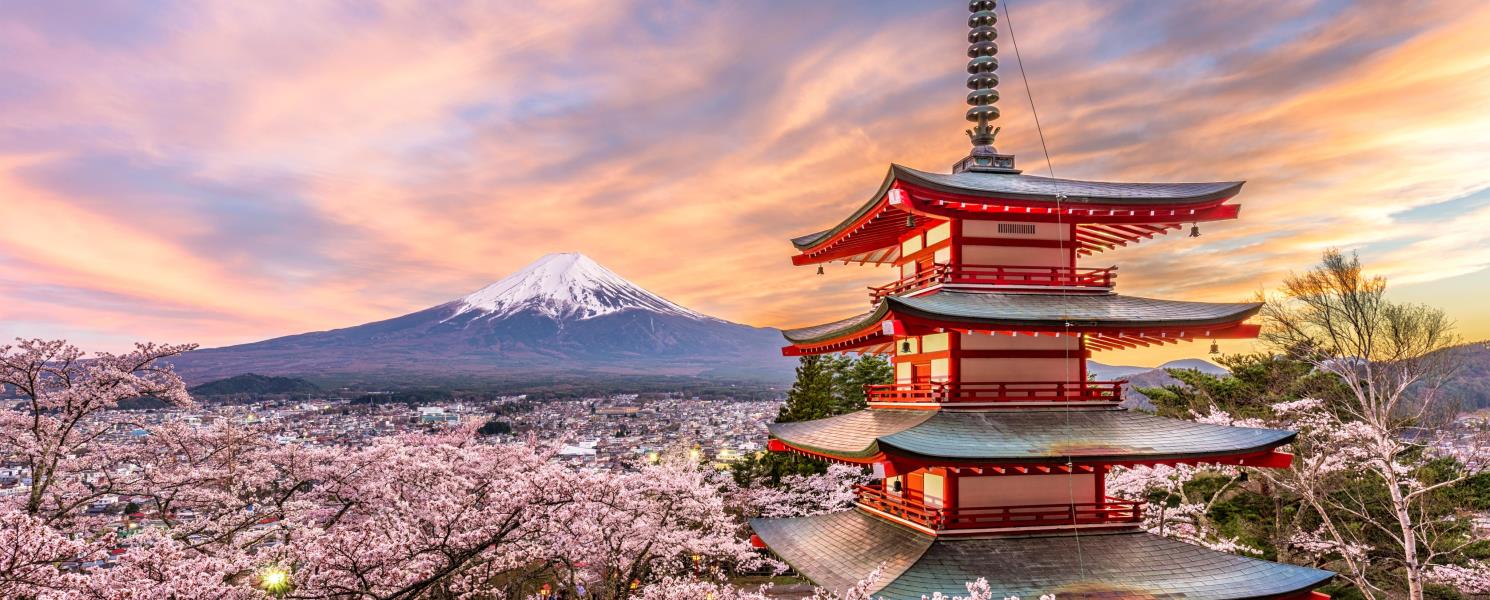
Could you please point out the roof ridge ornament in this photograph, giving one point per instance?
(982, 79)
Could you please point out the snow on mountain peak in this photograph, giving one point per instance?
(566, 286)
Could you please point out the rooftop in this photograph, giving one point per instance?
(836, 550)
(879, 223)
(1063, 312)
(1030, 436)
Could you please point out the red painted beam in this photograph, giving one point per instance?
(1270, 460)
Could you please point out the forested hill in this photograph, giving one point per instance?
(254, 384)
(1470, 383)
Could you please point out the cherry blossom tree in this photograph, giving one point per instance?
(228, 512)
(62, 391)
(805, 495)
(664, 520)
(1389, 357)
(1176, 510)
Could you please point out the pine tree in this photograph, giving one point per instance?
(851, 377)
(811, 396)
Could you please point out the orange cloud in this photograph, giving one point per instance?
(295, 169)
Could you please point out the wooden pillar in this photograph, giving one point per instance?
(951, 492)
(1099, 480)
(1081, 355)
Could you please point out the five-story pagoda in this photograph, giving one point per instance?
(992, 446)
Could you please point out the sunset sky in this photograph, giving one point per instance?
(225, 172)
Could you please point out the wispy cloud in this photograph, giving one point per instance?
(224, 172)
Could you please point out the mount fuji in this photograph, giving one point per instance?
(564, 313)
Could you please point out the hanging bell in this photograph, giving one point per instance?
(1215, 348)
(1194, 230)
(905, 346)
(819, 269)
(910, 220)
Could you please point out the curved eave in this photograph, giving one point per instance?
(1027, 437)
(934, 307)
(1014, 197)
(1033, 188)
(807, 242)
(1062, 314)
(813, 546)
(836, 550)
(852, 437)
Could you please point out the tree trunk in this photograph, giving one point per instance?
(1409, 535)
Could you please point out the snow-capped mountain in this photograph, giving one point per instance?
(566, 286)
(564, 313)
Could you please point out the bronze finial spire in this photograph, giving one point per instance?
(982, 63)
(982, 53)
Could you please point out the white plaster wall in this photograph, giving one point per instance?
(983, 341)
(1016, 490)
(938, 233)
(910, 246)
(1015, 256)
(1043, 231)
(1020, 369)
(939, 369)
(934, 490)
(935, 342)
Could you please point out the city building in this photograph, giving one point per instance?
(992, 447)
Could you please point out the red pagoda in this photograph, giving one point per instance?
(991, 448)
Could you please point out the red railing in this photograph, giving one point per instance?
(1012, 391)
(1109, 511)
(998, 275)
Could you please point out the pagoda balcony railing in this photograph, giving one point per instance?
(1110, 511)
(995, 275)
(942, 392)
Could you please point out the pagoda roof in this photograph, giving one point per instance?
(1105, 435)
(877, 224)
(1059, 312)
(836, 550)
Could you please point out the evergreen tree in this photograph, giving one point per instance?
(1256, 382)
(826, 385)
(811, 396)
(851, 377)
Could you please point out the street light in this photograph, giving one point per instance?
(275, 580)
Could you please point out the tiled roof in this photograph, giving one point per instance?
(827, 330)
(1034, 188)
(853, 434)
(838, 549)
(1025, 436)
(1047, 310)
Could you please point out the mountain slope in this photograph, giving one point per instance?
(254, 384)
(564, 313)
(1138, 377)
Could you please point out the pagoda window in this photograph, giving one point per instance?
(933, 490)
(911, 245)
(1002, 243)
(977, 255)
(936, 342)
(996, 358)
(938, 234)
(1015, 230)
(1026, 490)
(940, 369)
